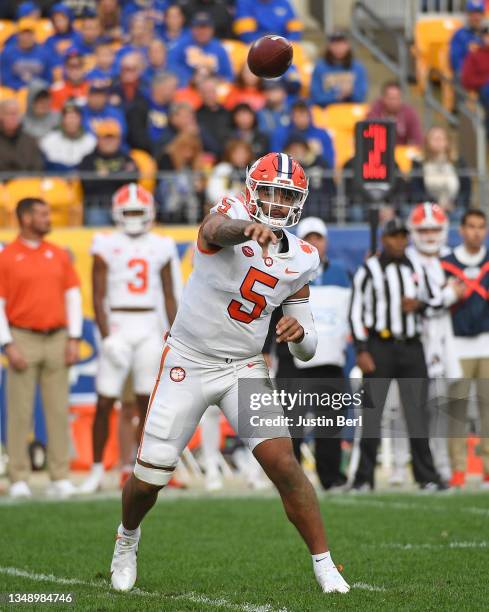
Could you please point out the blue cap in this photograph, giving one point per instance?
(475, 6)
(201, 19)
(26, 8)
(59, 7)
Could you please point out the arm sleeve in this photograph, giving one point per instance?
(301, 310)
(360, 282)
(360, 84)
(73, 304)
(231, 207)
(5, 335)
(329, 152)
(245, 25)
(225, 69)
(293, 25)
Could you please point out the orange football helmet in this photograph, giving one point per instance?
(425, 217)
(278, 181)
(133, 209)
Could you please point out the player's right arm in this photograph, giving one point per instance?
(219, 230)
(99, 290)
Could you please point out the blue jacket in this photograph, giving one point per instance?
(58, 44)
(255, 18)
(18, 68)
(319, 140)
(470, 316)
(335, 274)
(180, 59)
(90, 118)
(100, 76)
(325, 80)
(134, 6)
(271, 120)
(463, 41)
(157, 121)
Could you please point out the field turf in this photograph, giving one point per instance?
(400, 551)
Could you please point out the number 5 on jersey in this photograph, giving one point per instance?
(236, 309)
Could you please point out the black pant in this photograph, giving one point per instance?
(327, 451)
(401, 360)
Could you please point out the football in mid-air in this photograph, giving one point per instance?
(270, 56)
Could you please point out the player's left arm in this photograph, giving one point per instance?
(169, 294)
(296, 327)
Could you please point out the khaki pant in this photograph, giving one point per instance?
(45, 356)
(473, 369)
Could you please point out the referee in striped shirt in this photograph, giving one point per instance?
(390, 294)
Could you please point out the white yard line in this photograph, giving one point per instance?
(427, 546)
(357, 500)
(368, 587)
(192, 597)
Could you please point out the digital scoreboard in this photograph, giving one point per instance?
(375, 170)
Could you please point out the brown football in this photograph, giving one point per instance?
(270, 56)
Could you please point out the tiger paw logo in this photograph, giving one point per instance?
(177, 374)
(268, 262)
(248, 251)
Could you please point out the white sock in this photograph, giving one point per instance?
(322, 562)
(130, 533)
(98, 469)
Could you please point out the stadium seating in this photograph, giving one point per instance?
(405, 155)
(147, 168)
(44, 30)
(237, 52)
(62, 195)
(432, 37)
(7, 29)
(304, 66)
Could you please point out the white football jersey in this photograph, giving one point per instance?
(134, 265)
(227, 303)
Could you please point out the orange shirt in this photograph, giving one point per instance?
(33, 282)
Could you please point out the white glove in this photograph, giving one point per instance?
(116, 350)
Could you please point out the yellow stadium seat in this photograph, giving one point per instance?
(405, 155)
(62, 195)
(20, 95)
(237, 52)
(344, 117)
(3, 207)
(344, 146)
(147, 168)
(7, 28)
(7, 94)
(44, 30)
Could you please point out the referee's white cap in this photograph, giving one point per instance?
(312, 225)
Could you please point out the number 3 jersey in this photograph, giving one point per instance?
(227, 303)
(134, 265)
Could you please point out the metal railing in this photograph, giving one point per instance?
(415, 9)
(366, 26)
(332, 196)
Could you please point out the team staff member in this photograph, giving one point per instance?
(40, 330)
(389, 295)
(329, 299)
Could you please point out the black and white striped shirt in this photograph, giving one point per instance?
(376, 303)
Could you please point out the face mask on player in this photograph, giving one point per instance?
(429, 228)
(276, 190)
(133, 209)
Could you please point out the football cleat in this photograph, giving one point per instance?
(61, 489)
(123, 568)
(331, 581)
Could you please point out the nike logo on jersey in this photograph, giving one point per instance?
(287, 271)
(251, 365)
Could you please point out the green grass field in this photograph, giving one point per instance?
(401, 552)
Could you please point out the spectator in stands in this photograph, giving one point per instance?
(163, 87)
(39, 118)
(275, 115)
(200, 52)
(153, 10)
(89, 36)
(98, 108)
(74, 85)
(244, 125)
(322, 188)
(174, 27)
(157, 60)
(41, 327)
(140, 36)
(228, 177)
(18, 150)
(182, 119)
(65, 147)
(24, 60)
(247, 89)
(392, 106)
(109, 16)
(25, 10)
(468, 37)
(112, 167)
(181, 192)
(255, 18)
(220, 11)
(128, 94)
(301, 125)
(81, 7)
(338, 76)
(436, 176)
(64, 35)
(103, 70)
(212, 117)
(475, 72)
(469, 264)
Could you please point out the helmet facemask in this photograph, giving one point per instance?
(268, 200)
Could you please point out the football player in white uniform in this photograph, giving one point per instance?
(246, 264)
(130, 268)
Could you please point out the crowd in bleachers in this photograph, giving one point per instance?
(132, 88)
